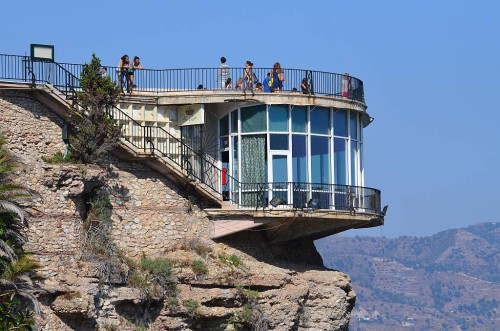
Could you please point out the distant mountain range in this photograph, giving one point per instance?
(448, 281)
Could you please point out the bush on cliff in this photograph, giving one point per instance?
(93, 132)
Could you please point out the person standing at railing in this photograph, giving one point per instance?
(267, 83)
(250, 77)
(306, 85)
(346, 85)
(122, 69)
(278, 78)
(136, 64)
(223, 73)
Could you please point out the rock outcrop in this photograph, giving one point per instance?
(235, 282)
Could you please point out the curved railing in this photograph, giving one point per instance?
(303, 195)
(173, 80)
(191, 79)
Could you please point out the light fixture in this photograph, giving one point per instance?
(42, 53)
(276, 201)
(313, 204)
(384, 210)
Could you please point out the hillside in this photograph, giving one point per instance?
(448, 281)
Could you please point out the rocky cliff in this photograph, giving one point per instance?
(96, 276)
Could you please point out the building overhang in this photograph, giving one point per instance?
(285, 225)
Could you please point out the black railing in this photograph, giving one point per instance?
(13, 67)
(173, 80)
(302, 195)
(147, 138)
(155, 140)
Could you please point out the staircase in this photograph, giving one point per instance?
(158, 149)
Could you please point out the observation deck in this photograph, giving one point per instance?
(288, 162)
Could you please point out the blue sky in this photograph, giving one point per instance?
(431, 71)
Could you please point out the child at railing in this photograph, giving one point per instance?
(228, 84)
(239, 84)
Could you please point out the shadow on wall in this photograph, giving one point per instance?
(300, 255)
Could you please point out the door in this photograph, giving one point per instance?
(279, 179)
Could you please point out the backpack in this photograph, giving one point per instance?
(271, 81)
(254, 78)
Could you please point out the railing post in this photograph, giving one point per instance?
(28, 71)
(311, 89)
(147, 137)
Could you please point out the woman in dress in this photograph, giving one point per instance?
(277, 74)
(249, 75)
(346, 85)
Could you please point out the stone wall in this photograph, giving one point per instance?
(149, 213)
(152, 217)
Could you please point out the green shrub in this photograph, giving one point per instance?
(232, 260)
(109, 327)
(173, 304)
(58, 157)
(200, 247)
(251, 295)
(157, 266)
(100, 208)
(23, 266)
(191, 307)
(152, 277)
(199, 267)
(11, 315)
(137, 280)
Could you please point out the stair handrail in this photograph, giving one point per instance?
(70, 83)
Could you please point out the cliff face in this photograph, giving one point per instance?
(237, 282)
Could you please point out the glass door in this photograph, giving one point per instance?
(279, 183)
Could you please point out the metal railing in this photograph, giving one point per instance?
(191, 79)
(192, 163)
(302, 195)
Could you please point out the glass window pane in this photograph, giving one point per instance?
(340, 123)
(299, 158)
(278, 118)
(224, 142)
(234, 121)
(320, 120)
(224, 126)
(353, 123)
(280, 173)
(299, 119)
(354, 150)
(320, 160)
(235, 158)
(253, 119)
(253, 159)
(339, 154)
(279, 142)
